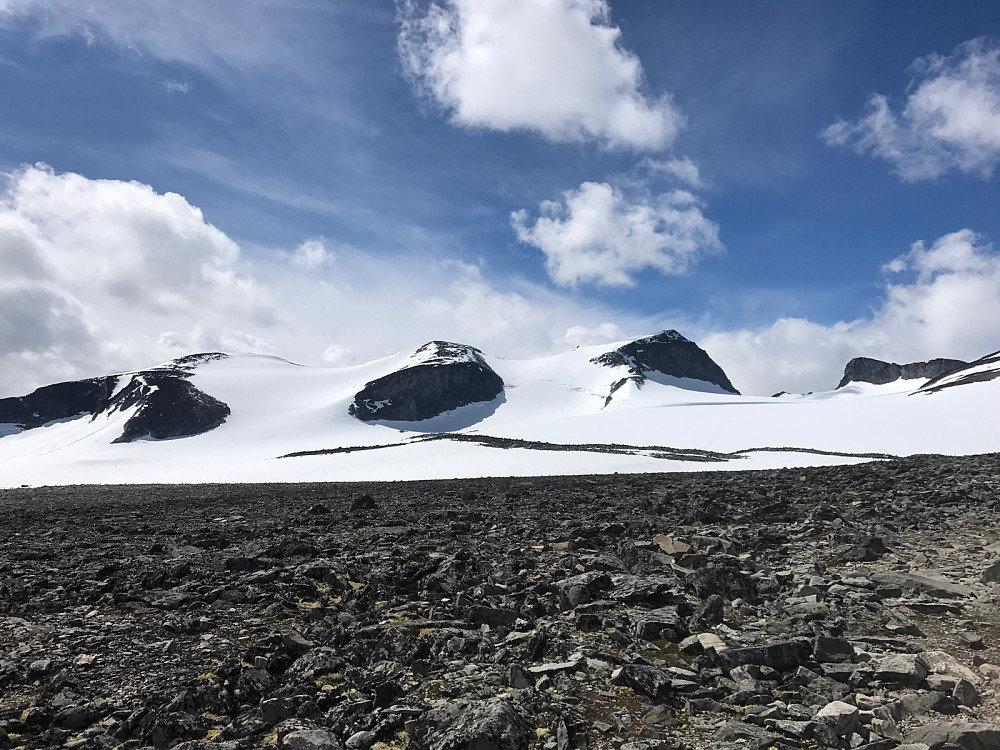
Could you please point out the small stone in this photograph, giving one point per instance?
(622, 719)
(364, 502)
(902, 669)
(309, 739)
(840, 717)
(648, 681)
(671, 546)
(970, 640)
(832, 650)
(965, 693)
(991, 574)
(360, 741)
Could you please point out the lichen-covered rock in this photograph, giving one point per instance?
(480, 725)
(441, 377)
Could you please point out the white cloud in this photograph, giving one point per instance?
(96, 270)
(950, 119)
(310, 255)
(605, 333)
(942, 301)
(177, 87)
(556, 67)
(683, 170)
(337, 355)
(209, 36)
(102, 276)
(599, 234)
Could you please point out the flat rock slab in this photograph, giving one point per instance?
(956, 734)
(927, 582)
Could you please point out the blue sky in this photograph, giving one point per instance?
(335, 181)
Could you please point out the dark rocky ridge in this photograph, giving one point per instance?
(877, 372)
(454, 375)
(986, 368)
(669, 353)
(842, 607)
(169, 405)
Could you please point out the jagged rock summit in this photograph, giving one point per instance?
(877, 372)
(667, 353)
(439, 377)
(166, 404)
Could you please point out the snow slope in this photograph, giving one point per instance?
(548, 406)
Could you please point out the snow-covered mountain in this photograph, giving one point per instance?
(449, 410)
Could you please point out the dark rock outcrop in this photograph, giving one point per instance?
(168, 404)
(169, 407)
(446, 376)
(982, 370)
(59, 401)
(667, 353)
(877, 372)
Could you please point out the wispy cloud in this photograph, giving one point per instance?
(177, 87)
(950, 119)
(555, 67)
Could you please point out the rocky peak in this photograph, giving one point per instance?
(668, 353)
(877, 372)
(440, 376)
(436, 353)
(982, 370)
(167, 404)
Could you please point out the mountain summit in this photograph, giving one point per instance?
(440, 376)
(877, 372)
(161, 402)
(665, 353)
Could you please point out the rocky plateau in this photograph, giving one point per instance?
(841, 607)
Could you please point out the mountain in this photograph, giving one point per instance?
(439, 377)
(982, 370)
(877, 372)
(161, 402)
(450, 410)
(668, 354)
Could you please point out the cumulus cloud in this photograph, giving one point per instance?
(950, 119)
(310, 255)
(555, 67)
(603, 235)
(91, 264)
(941, 300)
(102, 276)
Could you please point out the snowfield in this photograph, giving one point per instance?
(549, 409)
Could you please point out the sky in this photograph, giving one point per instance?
(789, 183)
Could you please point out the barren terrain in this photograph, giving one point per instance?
(850, 606)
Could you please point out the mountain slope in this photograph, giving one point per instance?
(292, 423)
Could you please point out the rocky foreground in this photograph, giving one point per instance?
(845, 607)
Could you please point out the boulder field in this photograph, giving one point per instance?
(842, 607)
